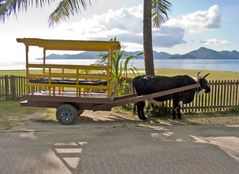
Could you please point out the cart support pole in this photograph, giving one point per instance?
(27, 70)
(44, 60)
(134, 98)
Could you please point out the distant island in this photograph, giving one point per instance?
(201, 53)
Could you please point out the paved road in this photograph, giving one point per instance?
(121, 147)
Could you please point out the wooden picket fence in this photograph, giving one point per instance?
(12, 87)
(224, 94)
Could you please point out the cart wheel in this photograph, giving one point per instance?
(66, 114)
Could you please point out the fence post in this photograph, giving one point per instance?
(13, 87)
(237, 95)
(6, 87)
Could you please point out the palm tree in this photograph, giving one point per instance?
(156, 10)
(64, 9)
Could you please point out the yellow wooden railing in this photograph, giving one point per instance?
(51, 72)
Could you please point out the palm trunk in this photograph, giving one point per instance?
(147, 32)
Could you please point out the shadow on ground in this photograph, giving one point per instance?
(94, 117)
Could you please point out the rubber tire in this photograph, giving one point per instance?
(66, 114)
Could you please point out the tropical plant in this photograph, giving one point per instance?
(122, 65)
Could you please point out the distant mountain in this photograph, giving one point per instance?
(205, 53)
(83, 55)
(161, 55)
(157, 55)
(96, 55)
(201, 53)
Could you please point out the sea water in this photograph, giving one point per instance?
(199, 64)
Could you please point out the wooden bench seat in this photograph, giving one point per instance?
(70, 82)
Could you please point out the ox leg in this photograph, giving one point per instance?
(178, 112)
(175, 110)
(140, 109)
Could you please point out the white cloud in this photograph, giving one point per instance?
(168, 36)
(126, 24)
(198, 21)
(215, 42)
(116, 22)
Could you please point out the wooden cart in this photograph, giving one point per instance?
(75, 88)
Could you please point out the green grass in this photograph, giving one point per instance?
(13, 114)
(213, 118)
(214, 75)
(210, 118)
(13, 72)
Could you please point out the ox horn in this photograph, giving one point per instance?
(198, 73)
(206, 75)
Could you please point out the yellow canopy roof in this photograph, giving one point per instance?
(73, 45)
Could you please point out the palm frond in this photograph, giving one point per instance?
(160, 9)
(134, 70)
(8, 7)
(67, 8)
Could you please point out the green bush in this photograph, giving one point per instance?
(153, 110)
(234, 109)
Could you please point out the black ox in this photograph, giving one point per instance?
(151, 84)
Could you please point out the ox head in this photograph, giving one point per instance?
(203, 83)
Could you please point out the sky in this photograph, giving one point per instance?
(191, 25)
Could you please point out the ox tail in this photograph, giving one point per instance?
(134, 90)
(134, 104)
